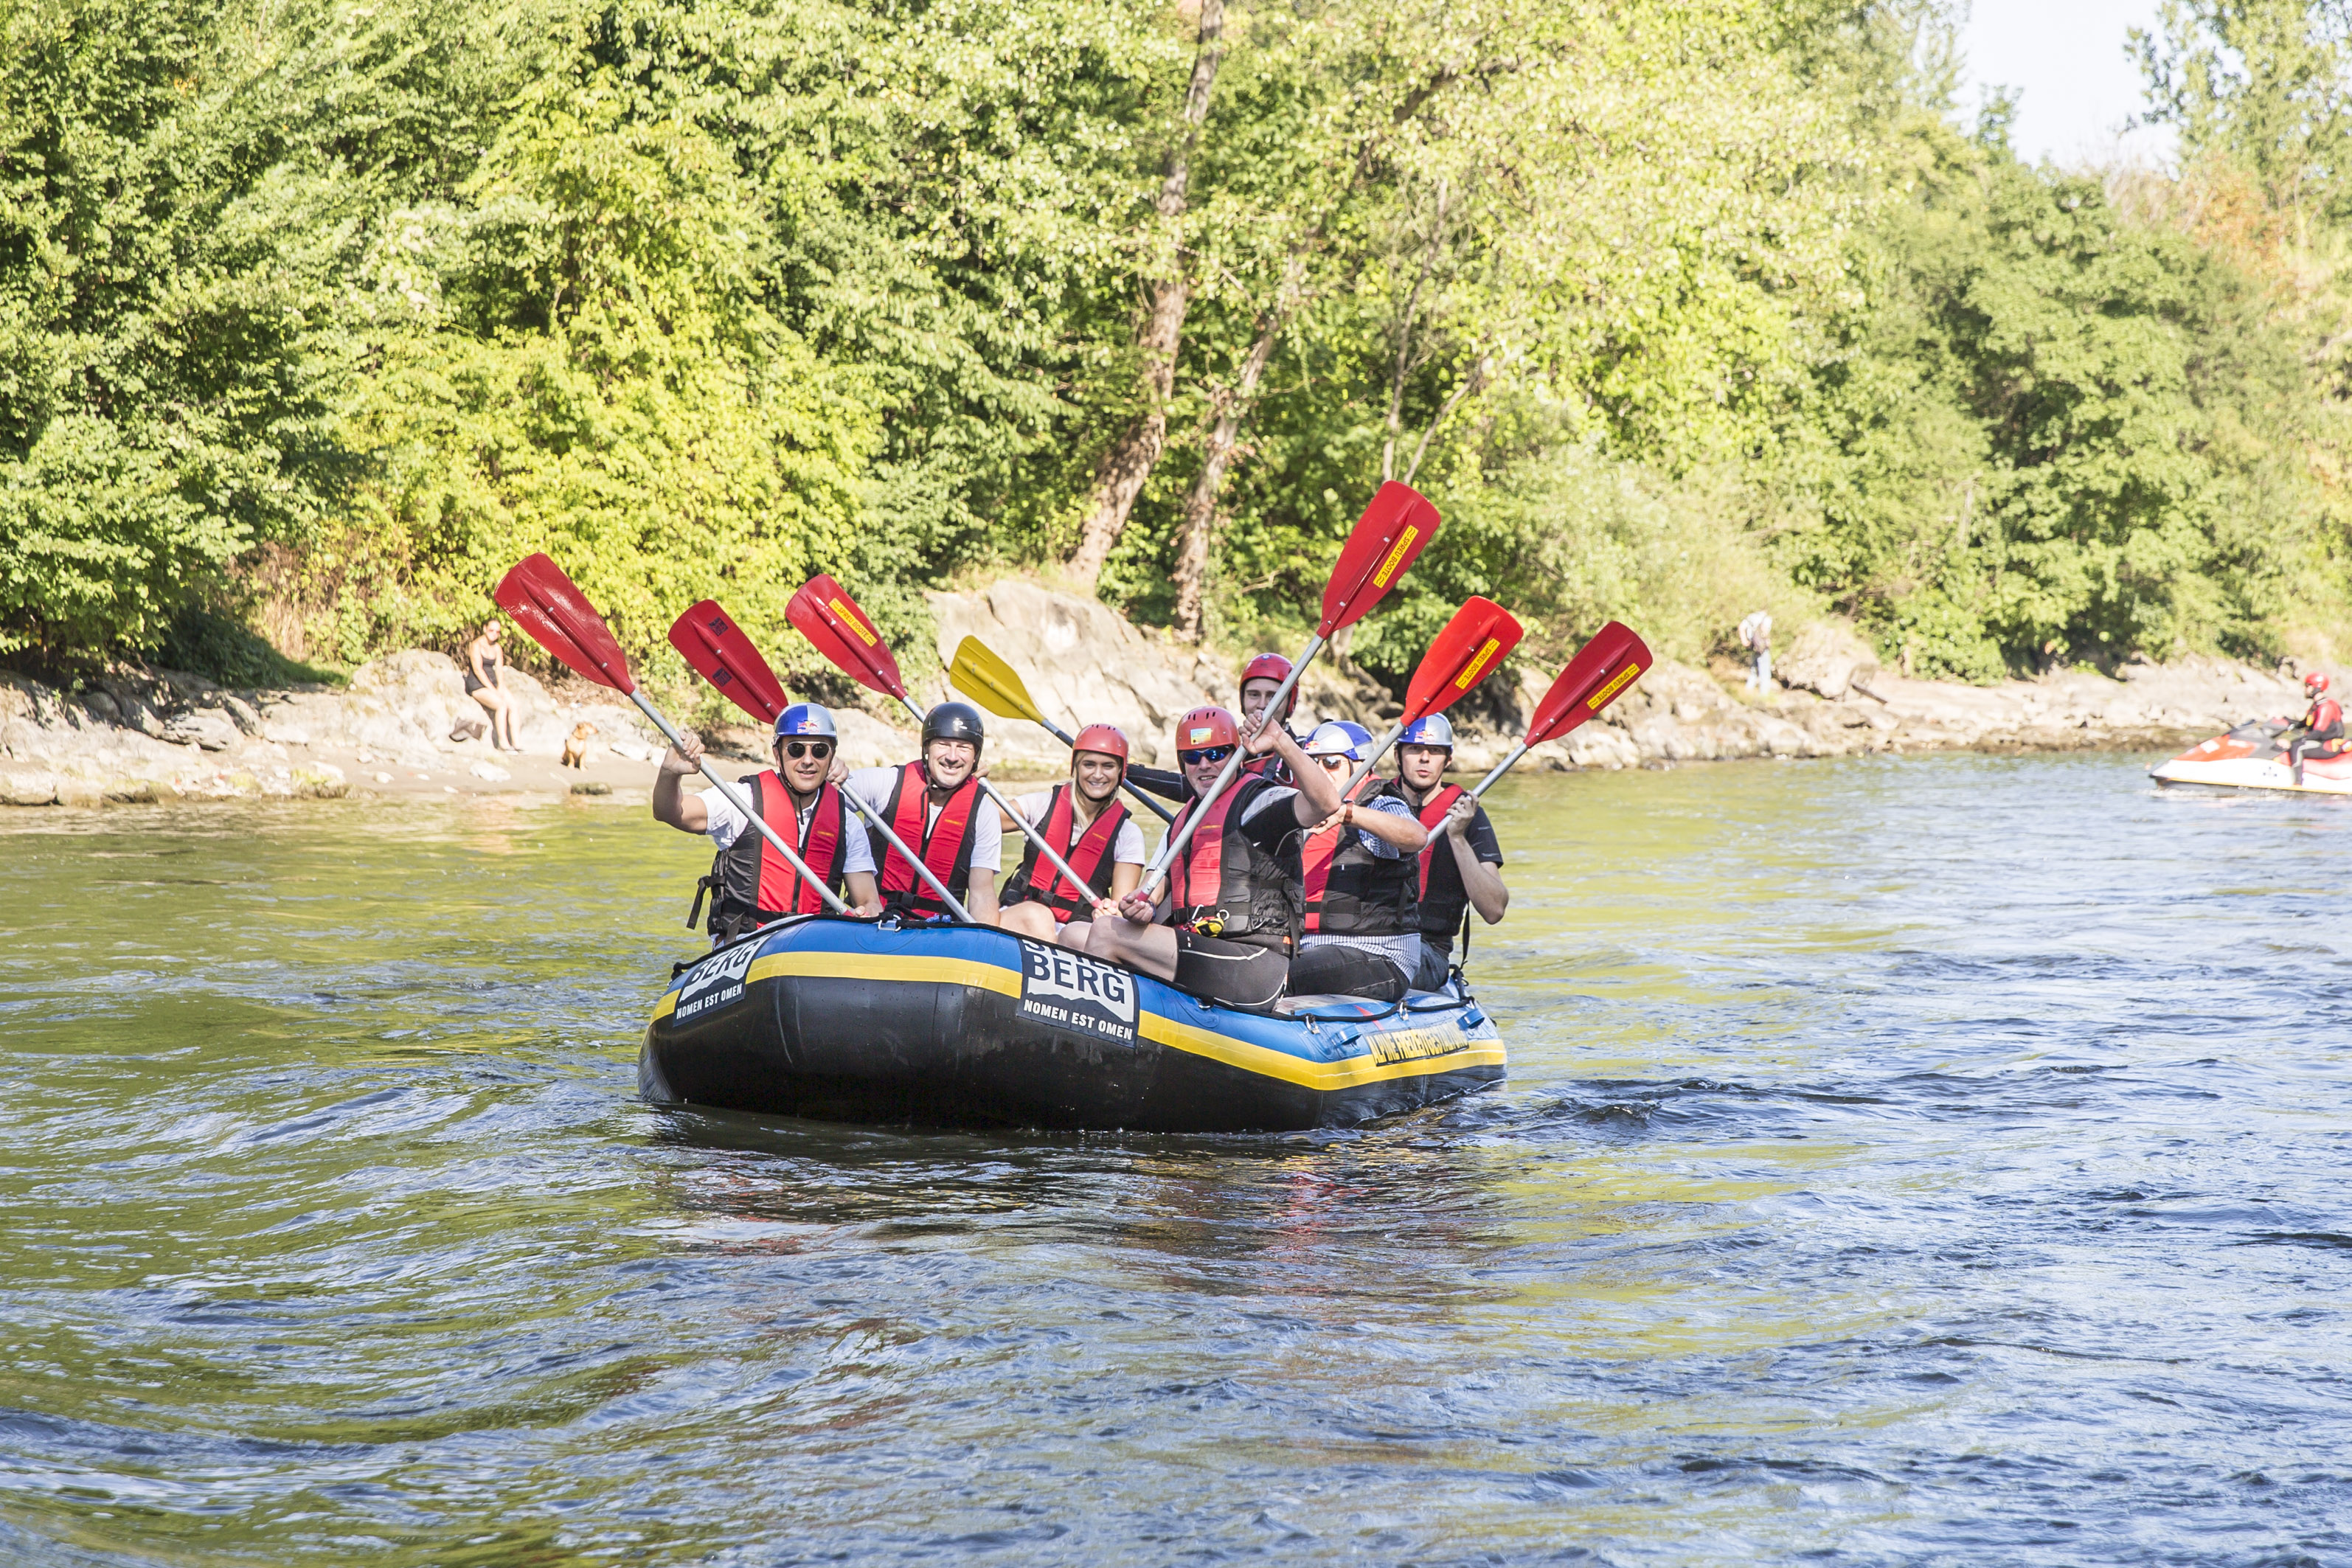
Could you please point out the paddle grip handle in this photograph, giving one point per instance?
(1500, 769)
(735, 796)
(1158, 870)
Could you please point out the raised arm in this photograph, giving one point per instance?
(673, 805)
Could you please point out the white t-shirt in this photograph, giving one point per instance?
(873, 785)
(1126, 845)
(728, 824)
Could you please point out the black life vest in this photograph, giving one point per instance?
(946, 849)
(750, 884)
(1226, 885)
(1348, 891)
(1090, 856)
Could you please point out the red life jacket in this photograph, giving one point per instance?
(1089, 858)
(1348, 889)
(1226, 885)
(751, 884)
(2324, 720)
(1432, 813)
(946, 849)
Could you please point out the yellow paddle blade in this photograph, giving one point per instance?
(991, 682)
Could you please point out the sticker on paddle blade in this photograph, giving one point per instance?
(1078, 996)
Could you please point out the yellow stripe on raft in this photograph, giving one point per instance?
(1345, 1074)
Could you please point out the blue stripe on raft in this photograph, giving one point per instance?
(1427, 1026)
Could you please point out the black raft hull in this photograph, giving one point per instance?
(962, 1025)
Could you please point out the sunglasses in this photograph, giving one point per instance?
(799, 749)
(1336, 764)
(1205, 755)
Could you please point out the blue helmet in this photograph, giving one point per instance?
(1434, 731)
(1337, 739)
(806, 719)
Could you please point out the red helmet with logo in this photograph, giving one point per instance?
(2315, 682)
(1269, 666)
(1107, 738)
(1206, 727)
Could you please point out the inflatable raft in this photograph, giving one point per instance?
(2250, 757)
(954, 1026)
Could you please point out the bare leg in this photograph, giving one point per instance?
(1152, 949)
(506, 721)
(1034, 920)
(1077, 934)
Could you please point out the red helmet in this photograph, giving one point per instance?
(1107, 738)
(2314, 683)
(1269, 666)
(1206, 727)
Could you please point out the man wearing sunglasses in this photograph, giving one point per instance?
(1359, 882)
(750, 884)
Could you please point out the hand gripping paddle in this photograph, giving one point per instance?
(1466, 649)
(979, 674)
(551, 607)
(1390, 536)
(723, 654)
(1602, 672)
(830, 619)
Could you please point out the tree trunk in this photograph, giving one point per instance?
(1201, 506)
(1118, 480)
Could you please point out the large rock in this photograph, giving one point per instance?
(1828, 658)
(1083, 664)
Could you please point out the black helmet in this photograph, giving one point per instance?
(953, 721)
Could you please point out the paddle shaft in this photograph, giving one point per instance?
(1162, 812)
(1501, 768)
(1158, 870)
(1004, 809)
(735, 795)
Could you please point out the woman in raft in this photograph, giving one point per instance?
(1087, 822)
(1227, 924)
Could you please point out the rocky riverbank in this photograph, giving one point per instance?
(403, 724)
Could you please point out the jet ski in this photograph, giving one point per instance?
(2253, 756)
(960, 1026)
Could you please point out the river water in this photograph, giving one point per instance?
(1902, 1161)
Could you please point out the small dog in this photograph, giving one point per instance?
(575, 747)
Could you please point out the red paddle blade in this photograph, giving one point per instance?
(1392, 532)
(725, 656)
(1595, 677)
(552, 608)
(1481, 634)
(830, 619)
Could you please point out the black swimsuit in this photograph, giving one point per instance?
(490, 663)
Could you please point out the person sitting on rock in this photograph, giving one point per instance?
(750, 884)
(1226, 922)
(1360, 877)
(1462, 867)
(1085, 821)
(1261, 679)
(2320, 731)
(935, 806)
(483, 661)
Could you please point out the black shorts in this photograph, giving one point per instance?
(1335, 969)
(1240, 973)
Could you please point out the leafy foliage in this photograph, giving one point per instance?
(324, 314)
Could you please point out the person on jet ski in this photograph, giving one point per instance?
(1226, 922)
(1462, 868)
(935, 806)
(1091, 827)
(2320, 731)
(750, 884)
(1261, 679)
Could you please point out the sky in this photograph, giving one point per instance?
(2078, 85)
